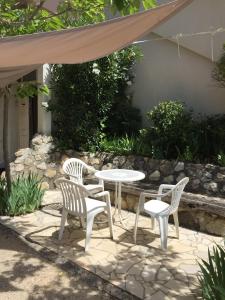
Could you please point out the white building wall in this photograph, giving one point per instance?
(199, 16)
(162, 75)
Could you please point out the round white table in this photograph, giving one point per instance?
(118, 176)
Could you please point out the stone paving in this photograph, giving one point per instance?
(143, 270)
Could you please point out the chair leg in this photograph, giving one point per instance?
(136, 224)
(163, 225)
(109, 213)
(176, 222)
(89, 225)
(63, 221)
(82, 222)
(153, 223)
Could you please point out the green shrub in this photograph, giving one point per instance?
(176, 132)
(90, 101)
(212, 278)
(221, 159)
(123, 119)
(25, 197)
(207, 137)
(170, 123)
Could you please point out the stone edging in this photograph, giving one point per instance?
(72, 268)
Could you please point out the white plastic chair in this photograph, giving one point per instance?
(77, 202)
(73, 167)
(160, 210)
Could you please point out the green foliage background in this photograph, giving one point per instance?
(176, 132)
(89, 101)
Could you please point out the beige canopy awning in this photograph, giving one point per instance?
(21, 54)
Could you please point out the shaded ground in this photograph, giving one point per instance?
(24, 275)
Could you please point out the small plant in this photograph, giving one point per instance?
(170, 122)
(187, 155)
(125, 145)
(25, 197)
(221, 159)
(212, 278)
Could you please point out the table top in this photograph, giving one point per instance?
(120, 175)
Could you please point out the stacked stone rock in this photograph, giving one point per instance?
(206, 179)
(37, 160)
(41, 158)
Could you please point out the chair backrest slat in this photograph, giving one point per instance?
(74, 196)
(74, 168)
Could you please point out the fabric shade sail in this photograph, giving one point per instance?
(21, 54)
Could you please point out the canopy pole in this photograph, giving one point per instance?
(6, 99)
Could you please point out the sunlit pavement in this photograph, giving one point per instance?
(143, 270)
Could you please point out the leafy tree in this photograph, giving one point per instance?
(79, 89)
(25, 16)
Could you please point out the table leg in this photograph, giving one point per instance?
(119, 198)
(118, 204)
(116, 198)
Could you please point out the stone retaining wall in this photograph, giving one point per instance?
(205, 179)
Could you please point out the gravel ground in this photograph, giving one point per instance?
(25, 275)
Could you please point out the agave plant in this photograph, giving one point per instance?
(212, 278)
(25, 197)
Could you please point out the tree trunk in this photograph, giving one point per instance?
(5, 140)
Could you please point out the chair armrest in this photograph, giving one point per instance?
(105, 195)
(71, 175)
(165, 187)
(158, 195)
(146, 194)
(102, 194)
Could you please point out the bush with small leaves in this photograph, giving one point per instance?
(170, 122)
(90, 101)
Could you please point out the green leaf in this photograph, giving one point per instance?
(212, 278)
(149, 3)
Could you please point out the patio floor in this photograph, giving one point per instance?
(143, 270)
